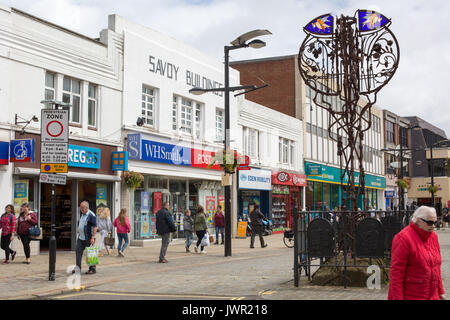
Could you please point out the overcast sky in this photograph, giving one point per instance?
(419, 87)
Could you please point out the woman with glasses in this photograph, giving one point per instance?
(416, 260)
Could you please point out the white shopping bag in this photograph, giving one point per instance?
(205, 241)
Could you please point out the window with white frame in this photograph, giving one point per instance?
(250, 140)
(72, 95)
(148, 105)
(286, 151)
(92, 105)
(219, 124)
(187, 117)
(50, 88)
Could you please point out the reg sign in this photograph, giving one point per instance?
(84, 157)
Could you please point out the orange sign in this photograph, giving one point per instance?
(242, 230)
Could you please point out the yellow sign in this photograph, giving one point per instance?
(242, 230)
(54, 168)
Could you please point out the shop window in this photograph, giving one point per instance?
(220, 124)
(310, 196)
(72, 95)
(327, 197)
(187, 117)
(287, 151)
(251, 142)
(318, 196)
(50, 87)
(390, 133)
(148, 105)
(92, 105)
(24, 193)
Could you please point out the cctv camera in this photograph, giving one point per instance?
(140, 122)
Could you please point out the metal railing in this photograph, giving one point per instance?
(327, 236)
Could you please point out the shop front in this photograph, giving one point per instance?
(390, 196)
(173, 173)
(254, 188)
(323, 191)
(90, 178)
(287, 198)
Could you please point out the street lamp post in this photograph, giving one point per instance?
(240, 42)
(52, 241)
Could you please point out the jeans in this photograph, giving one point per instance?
(81, 245)
(165, 240)
(200, 235)
(122, 236)
(189, 238)
(219, 229)
(26, 244)
(101, 243)
(5, 242)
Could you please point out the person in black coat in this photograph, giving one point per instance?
(256, 221)
(164, 226)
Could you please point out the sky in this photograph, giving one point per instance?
(420, 86)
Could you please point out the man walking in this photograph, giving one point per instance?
(87, 229)
(256, 223)
(164, 226)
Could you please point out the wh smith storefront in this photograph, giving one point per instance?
(174, 172)
(323, 191)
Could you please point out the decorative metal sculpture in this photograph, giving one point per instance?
(349, 58)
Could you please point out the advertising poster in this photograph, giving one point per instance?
(145, 226)
(20, 193)
(145, 202)
(101, 198)
(222, 202)
(157, 201)
(210, 204)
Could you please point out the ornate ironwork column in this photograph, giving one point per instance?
(348, 60)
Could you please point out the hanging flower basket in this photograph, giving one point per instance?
(433, 189)
(133, 179)
(401, 183)
(228, 161)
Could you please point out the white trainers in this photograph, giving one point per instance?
(196, 249)
(204, 251)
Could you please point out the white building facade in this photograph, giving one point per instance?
(274, 143)
(39, 60)
(322, 163)
(170, 134)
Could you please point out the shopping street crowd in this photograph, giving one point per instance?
(415, 272)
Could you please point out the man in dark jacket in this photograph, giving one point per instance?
(164, 226)
(256, 222)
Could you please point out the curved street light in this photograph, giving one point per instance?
(240, 42)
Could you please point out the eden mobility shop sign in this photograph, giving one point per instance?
(255, 179)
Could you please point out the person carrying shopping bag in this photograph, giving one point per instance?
(87, 230)
(8, 226)
(123, 228)
(104, 227)
(26, 220)
(200, 227)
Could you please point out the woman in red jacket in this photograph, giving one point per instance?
(416, 260)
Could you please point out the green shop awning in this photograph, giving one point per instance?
(323, 173)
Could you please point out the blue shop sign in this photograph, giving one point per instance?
(22, 150)
(146, 150)
(84, 157)
(120, 161)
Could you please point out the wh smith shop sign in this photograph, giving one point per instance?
(147, 150)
